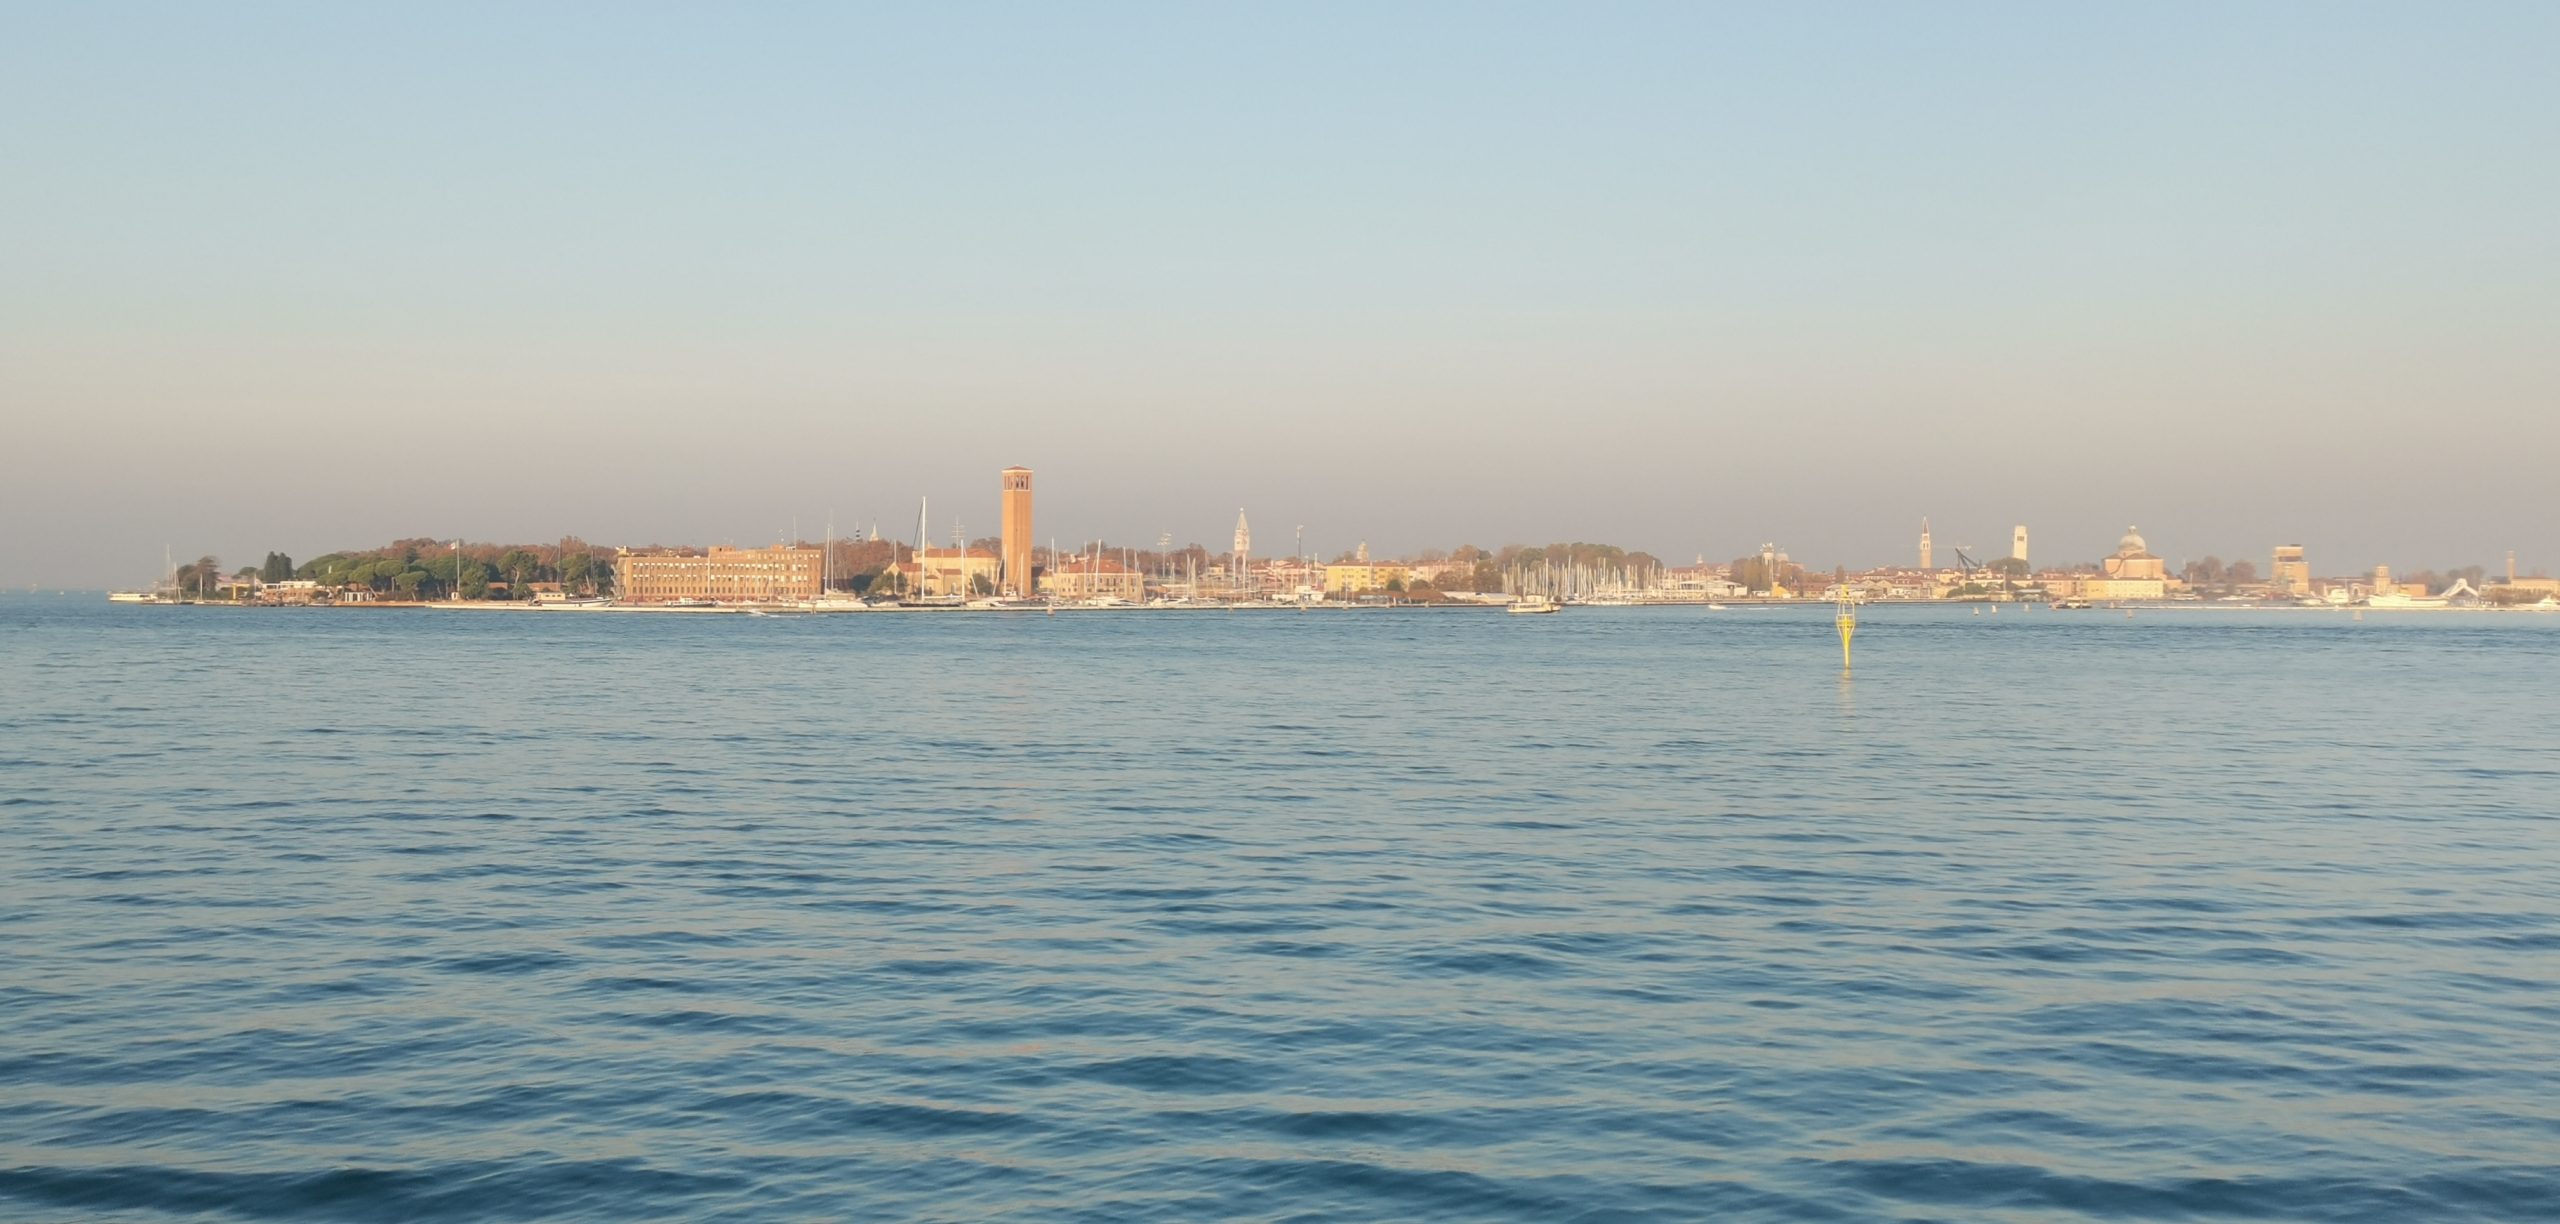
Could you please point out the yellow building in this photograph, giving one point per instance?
(2133, 573)
(939, 572)
(722, 575)
(1358, 577)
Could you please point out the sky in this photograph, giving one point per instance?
(1680, 277)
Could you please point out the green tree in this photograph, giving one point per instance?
(407, 582)
(520, 568)
(278, 568)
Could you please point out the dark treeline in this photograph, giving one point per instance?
(434, 569)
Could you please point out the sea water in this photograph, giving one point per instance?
(1622, 914)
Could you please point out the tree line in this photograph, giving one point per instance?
(419, 569)
(434, 569)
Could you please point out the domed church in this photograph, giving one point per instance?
(2133, 559)
(2133, 573)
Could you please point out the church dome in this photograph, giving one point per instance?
(2131, 545)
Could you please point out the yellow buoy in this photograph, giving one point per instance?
(1848, 621)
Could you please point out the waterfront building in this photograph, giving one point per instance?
(289, 591)
(1360, 577)
(2384, 585)
(2291, 573)
(723, 575)
(937, 573)
(2522, 590)
(2132, 573)
(1016, 577)
(1291, 576)
(1089, 577)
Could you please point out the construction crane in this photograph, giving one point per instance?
(2008, 579)
(1967, 564)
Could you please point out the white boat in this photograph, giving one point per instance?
(2396, 601)
(133, 597)
(1534, 605)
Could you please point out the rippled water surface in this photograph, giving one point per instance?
(1637, 914)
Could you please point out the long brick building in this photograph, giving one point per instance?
(722, 575)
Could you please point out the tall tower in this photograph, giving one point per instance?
(2292, 574)
(1924, 542)
(1016, 482)
(1244, 544)
(2018, 543)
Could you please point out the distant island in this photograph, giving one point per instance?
(572, 571)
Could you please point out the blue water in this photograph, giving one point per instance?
(1637, 914)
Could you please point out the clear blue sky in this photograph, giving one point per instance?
(1682, 277)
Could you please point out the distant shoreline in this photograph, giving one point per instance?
(1736, 604)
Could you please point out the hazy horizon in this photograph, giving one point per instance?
(1682, 280)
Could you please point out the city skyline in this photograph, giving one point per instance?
(1935, 547)
(1020, 548)
(1680, 279)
